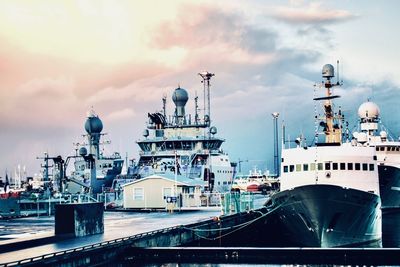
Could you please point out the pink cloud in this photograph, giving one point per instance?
(312, 14)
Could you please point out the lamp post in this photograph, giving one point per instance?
(275, 116)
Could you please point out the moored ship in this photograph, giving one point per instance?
(374, 134)
(329, 193)
(93, 170)
(183, 147)
(255, 181)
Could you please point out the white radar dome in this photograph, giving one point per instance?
(368, 110)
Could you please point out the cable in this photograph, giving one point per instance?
(238, 227)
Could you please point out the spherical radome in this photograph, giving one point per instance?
(368, 110)
(93, 125)
(82, 151)
(180, 96)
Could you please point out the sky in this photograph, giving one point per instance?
(60, 59)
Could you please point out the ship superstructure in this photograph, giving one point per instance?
(330, 191)
(372, 133)
(93, 170)
(184, 147)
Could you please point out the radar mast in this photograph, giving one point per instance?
(331, 122)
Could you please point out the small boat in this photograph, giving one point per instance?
(255, 181)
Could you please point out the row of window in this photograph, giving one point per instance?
(387, 148)
(327, 166)
(180, 145)
(138, 192)
(219, 171)
(224, 183)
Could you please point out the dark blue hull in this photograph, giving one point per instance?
(327, 216)
(389, 185)
(99, 184)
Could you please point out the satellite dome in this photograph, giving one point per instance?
(82, 151)
(328, 71)
(213, 130)
(93, 125)
(368, 110)
(180, 97)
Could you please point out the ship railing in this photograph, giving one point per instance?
(200, 200)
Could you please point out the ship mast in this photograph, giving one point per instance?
(206, 76)
(331, 122)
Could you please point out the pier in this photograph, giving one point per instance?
(108, 251)
(181, 244)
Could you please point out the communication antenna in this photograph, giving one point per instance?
(164, 100)
(206, 76)
(196, 108)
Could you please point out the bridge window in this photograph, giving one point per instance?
(357, 166)
(327, 166)
(291, 168)
(285, 168)
(312, 167)
(342, 165)
(365, 167)
(298, 167)
(320, 166)
(371, 167)
(334, 166)
(350, 166)
(305, 167)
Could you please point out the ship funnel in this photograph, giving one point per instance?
(180, 98)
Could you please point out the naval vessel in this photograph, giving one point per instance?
(329, 195)
(94, 171)
(184, 147)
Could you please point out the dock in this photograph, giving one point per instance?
(56, 251)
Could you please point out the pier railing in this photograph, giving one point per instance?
(106, 251)
(87, 248)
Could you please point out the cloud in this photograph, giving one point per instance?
(214, 36)
(314, 13)
(121, 115)
(46, 97)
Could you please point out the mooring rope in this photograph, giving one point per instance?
(238, 227)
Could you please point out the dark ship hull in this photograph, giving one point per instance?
(100, 184)
(389, 185)
(326, 216)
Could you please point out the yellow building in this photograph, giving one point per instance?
(157, 192)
